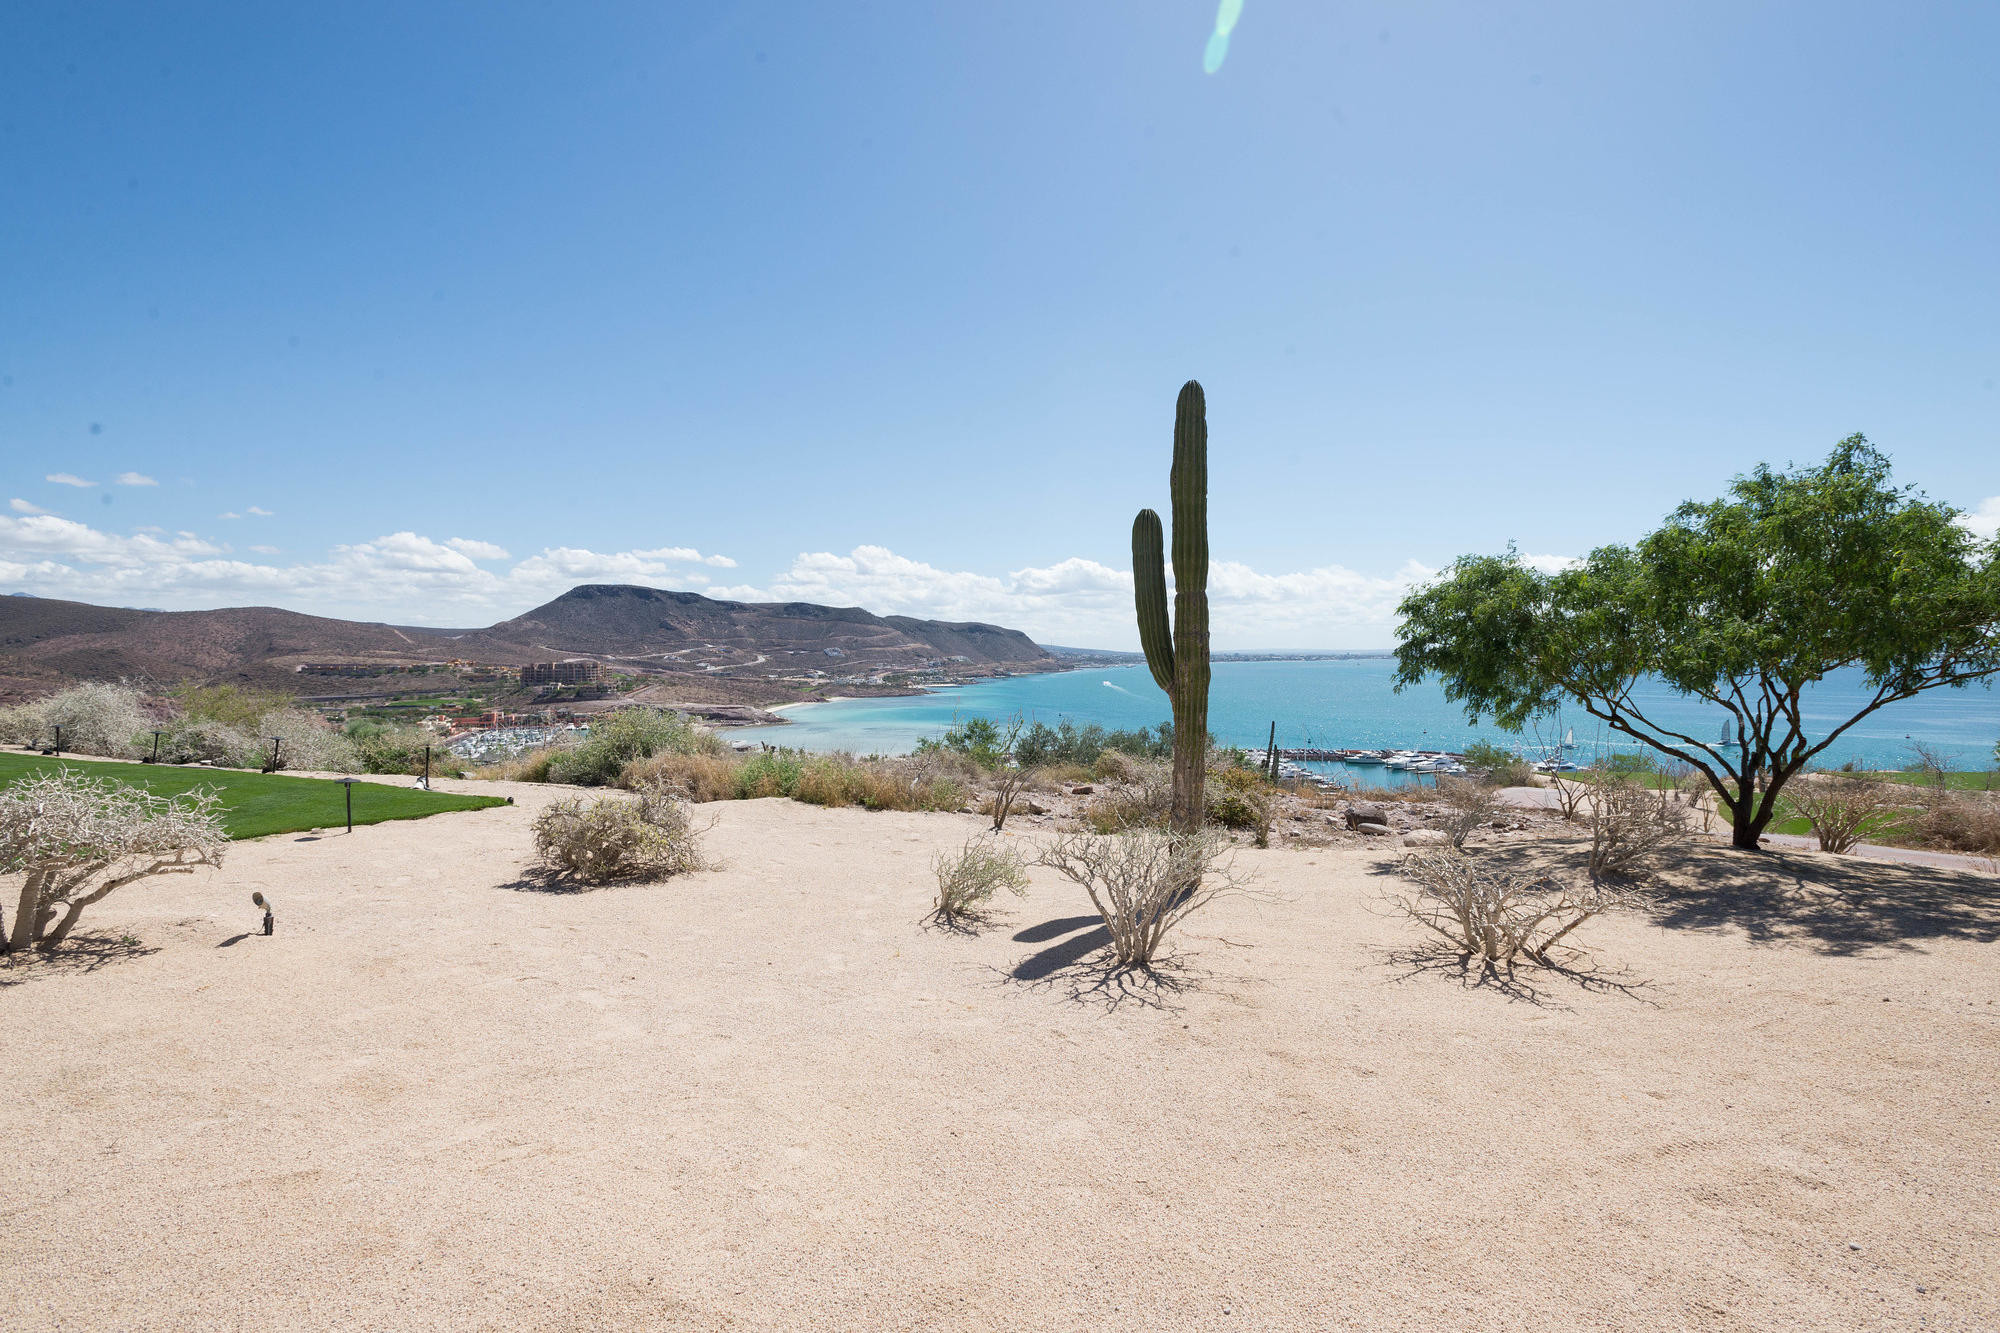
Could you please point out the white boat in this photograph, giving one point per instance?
(1364, 757)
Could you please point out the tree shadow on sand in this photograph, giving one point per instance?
(1837, 905)
(1081, 967)
(77, 955)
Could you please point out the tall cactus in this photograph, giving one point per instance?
(1178, 654)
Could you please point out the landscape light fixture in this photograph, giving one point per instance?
(56, 746)
(349, 784)
(265, 903)
(277, 746)
(154, 758)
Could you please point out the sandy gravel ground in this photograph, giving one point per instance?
(765, 1097)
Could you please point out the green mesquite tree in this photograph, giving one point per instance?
(1743, 602)
(1178, 654)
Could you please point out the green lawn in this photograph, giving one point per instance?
(256, 804)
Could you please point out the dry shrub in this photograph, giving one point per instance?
(697, 777)
(599, 839)
(1842, 811)
(1960, 822)
(1115, 766)
(73, 839)
(1142, 803)
(96, 718)
(1495, 914)
(1145, 881)
(305, 741)
(203, 740)
(1632, 827)
(1572, 795)
(531, 766)
(1468, 805)
(968, 879)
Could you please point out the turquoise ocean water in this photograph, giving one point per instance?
(1352, 704)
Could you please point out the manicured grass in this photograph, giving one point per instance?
(1987, 781)
(257, 804)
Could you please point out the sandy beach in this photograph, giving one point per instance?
(766, 1096)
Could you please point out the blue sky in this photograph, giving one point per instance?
(424, 313)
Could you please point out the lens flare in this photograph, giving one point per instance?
(1217, 50)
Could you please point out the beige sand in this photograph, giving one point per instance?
(766, 1098)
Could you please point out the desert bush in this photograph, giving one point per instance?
(1572, 795)
(772, 773)
(1841, 810)
(392, 749)
(617, 738)
(74, 839)
(598, 839)
(96, 718)
(305, 742)
(1493, 913)
(202, 740)
(1468, 805)
(236, 706)
(1497, 767)
(968, 878)
(1144, 881)
(1144, 802)
(1960, 823)
(1114, 766)
(529, 766)
(1240, 798)
(1928, 762)
(698, 777)
(1632, 827)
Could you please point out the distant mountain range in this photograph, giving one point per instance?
(644, 629)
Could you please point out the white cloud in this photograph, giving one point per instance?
(402, 576)
(134, 479)
(1550, 564)
(23, 507)
(68, 479)
(229, 513)
(259, 512)
(405, 577)
(1983, 522)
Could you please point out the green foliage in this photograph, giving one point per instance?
(401, 750)
(1744, 601)
(979, 739)
(1627, 765)
(254, 805)
(237, 706)
(1041, 745)
(617, 738)
(1496, 766)
(1240, 797)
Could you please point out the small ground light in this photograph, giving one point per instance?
(277, 747)
(349, 784)
(265, 903)
(156, 749)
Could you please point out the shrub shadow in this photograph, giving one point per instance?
(1516, 983)
(1835, 905)
(76, 955)
(1084, 970)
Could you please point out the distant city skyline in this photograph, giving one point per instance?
(425, 317)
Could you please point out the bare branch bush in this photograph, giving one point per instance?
(599, 839)
(1144, 802)
(1930, 763)
(1842, 810)
(1469, 805)
(1572, 795)
(969, 878)
(1632, 827)
(1010, 775)
(96, 717)
(74, 839)
(1145, 881)
(1493, 913)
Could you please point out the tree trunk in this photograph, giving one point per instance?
(28, 911)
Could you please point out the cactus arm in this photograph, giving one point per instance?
(1149, 589)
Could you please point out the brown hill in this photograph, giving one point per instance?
(44, 641)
